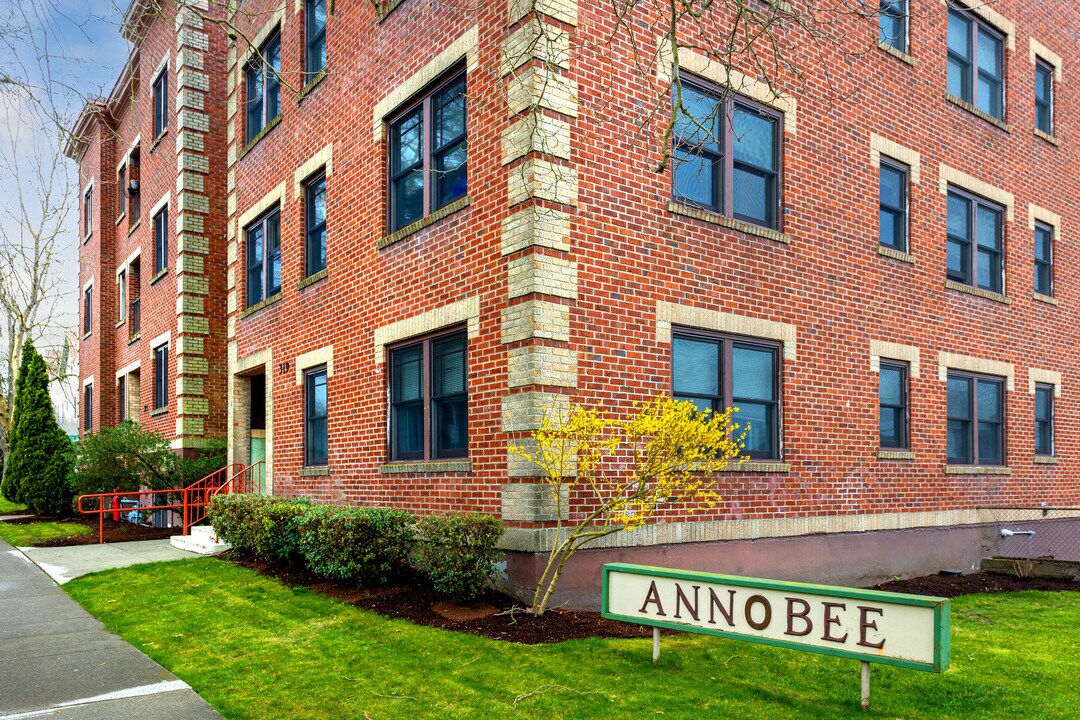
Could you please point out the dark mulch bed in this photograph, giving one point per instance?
(953, 585)
(114, 531)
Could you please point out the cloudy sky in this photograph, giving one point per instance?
(63, 52)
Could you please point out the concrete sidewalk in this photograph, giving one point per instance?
(56, 659)
(67, 563)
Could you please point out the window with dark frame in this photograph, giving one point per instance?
(429, 153)
(716, 372)
(976, 62)
(88, 407)
(1044, 259)
(263, 83)
(264, 258)
(88, 212)
(727, 152)
(315, 222)
(893, 405)
(133, 190)
(161, 103)
(893, 206)
(1044, 97)
(161, 377)
(429, 418)
(88, 310)
(121, 288)
(1044, 419)
(974, 241)
(316, 438)
(975, 420)
(121, 191)
(161, 240)
(315, 36)
(892, 22)
(122, 398)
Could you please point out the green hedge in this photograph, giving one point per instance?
(356, 544)
(237, 519)
(457, 553)
(278, 537)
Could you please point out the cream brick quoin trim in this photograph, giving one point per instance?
(951, 361)
(1048, 377)
(668, 314)
(881, 146)
(950, 176)
(463, 311)
(1038, 51)
(1039, 214)
(466, 46)
(272, 198)
(322, 356)
(879, 349)
(699, 64)
(322, 159)
(132, 367)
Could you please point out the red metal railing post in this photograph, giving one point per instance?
(187, 513)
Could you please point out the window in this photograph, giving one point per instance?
(1044, 259)
(976, 67)
(161, 377)
(976, 420)
(315, 30)
(718, 372)
(1044, 97)
(88, 407)
(88, 310)
(1044, 419)
(428, 154)
(974, 242)
(122, 398)
(132, 191)
(88, 212)
(161, 103)
(893, 210)
(121, 191)
(429, 416)
(727, 155)
(315, 219)
(893, 404)
(892, 22)
(121, 287)
(161, 240)
(264, 258)
(263, 87)
(316, 445)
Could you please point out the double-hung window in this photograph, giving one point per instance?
(974, 241)
(726, 156)
(88, 407)
(1044, 259)
(892, 24)
(88, 212)
(122, 397)
(893, 206)
(1044, 97)
(121, 191)
(893, 405)
(428, 154)
(315, 37)
(88, 310)
(976, 62)
(315, 221)
(1044, 419)
(263, 81)
(264, 258)
(716, 372)
(161, 377)
(976, 419)
(121, 287)
(161, 240)
(429, 416)
(316, 445)
(161, 103)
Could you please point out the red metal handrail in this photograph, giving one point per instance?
(191, 500)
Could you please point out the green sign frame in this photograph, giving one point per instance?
(940, 606)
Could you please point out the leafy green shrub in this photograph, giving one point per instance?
(237, 519)
(355, 544)
(278, 538)
(457, 552)
(208, 460)
(127, 457)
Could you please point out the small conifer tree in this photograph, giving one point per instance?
(10, 487)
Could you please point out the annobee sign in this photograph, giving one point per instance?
(909, 631)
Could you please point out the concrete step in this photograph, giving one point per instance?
(202, 540)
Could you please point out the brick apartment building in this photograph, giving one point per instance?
(151, 262)
(436, 222)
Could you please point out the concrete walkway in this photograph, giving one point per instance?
(67, 563)
(57, 660)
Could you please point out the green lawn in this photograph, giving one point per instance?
(255, 648)
(8, 506)
(31, 534)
